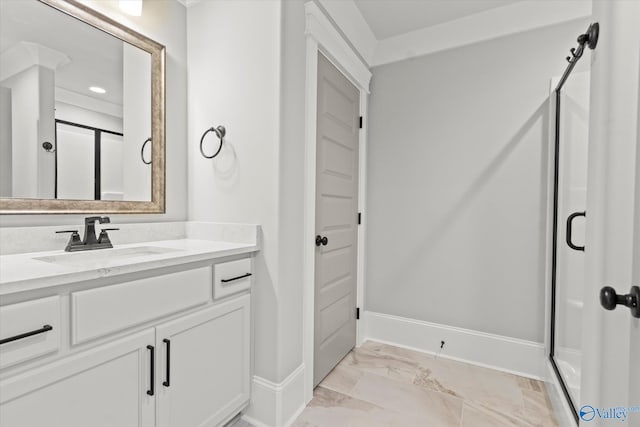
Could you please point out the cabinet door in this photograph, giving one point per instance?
(208, 369)
(105, 386)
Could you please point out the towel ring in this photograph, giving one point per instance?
(220, 132)
(142, 151)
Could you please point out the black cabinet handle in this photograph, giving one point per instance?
(235, 278)
(320, 240)
(166, 382)
(569, 228)
(152, 370)
(42, 330)
(610, 300)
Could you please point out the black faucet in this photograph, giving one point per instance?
(90, 228)
(90, 241)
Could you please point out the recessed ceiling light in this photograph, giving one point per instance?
(97, 89)
(131, 7)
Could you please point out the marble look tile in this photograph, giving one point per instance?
(380, 364)
(529, 384)
(16, 240)
(381, 385)
(342, 379)
(332, 409)
(433, 408)
(397, 352)
(479, 416)
(222, 232)
(472, 383)
(475, 383)
(538, 408)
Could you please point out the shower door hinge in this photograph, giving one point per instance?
(360, 122)
(359, 218)
(357, 313)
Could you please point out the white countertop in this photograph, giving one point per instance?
(22, 272)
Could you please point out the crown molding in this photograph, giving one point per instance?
(499, 22)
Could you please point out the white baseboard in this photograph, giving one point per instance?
(525, 358)
(276, 404)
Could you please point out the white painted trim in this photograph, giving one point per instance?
(520, 357)
(362, 204)
(87, 102)
(276, 404)
(563, 411)
(498, 22)
(319, 28)
(349, 19)
(323, 37)
(24, 55)
(188, 3)
(308, 267)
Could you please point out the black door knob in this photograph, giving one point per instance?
(609, 299)
(321, 240)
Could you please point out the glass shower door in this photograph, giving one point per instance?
(570, 222)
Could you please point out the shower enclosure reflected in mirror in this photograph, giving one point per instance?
(79, 96)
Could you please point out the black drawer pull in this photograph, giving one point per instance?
(152, 371)
(235, 278)
(45, 328)
(166, 382)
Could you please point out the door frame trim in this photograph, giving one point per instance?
(323, 37)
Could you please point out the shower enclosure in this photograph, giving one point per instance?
(571, 137)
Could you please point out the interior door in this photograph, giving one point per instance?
(611, 336)
(203, 372)
(336, 218)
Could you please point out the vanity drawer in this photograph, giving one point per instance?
(232, 277)
(98, 312)
(29, 329)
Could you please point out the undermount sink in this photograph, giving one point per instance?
(104, 256)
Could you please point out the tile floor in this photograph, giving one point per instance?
(382, 385)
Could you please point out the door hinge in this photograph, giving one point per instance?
(360, 122)
(359, 218)
(357, 313)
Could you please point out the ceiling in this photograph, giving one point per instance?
(96, 57)
(388, 18)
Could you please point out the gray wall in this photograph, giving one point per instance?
(457, 178)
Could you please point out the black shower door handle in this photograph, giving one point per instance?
(569, 230)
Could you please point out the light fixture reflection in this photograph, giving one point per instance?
(97, 89)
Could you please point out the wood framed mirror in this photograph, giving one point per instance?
(82, 112)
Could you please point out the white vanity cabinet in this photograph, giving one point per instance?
(179, 358)
(203, 374)
(105, 386)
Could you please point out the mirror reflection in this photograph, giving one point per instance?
(75, 109)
